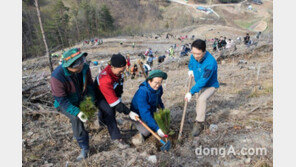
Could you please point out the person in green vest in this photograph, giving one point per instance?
(171, 52)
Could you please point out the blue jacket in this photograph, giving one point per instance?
(145, 103)
(205, 72)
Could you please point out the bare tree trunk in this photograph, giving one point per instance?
(78, 36)
(43, 35)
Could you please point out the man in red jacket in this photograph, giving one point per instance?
(108, 88)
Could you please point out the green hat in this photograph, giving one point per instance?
(157, 73)
(71, 55)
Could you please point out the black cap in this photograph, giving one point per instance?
(117, 60)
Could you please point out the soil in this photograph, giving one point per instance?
(242, 107)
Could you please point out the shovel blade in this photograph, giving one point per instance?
(166, 146)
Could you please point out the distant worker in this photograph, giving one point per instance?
(223, 43)
(215, 44)
(150, 60)
(147, 68)
(171, 52)
(247, 39)
(161, 59)
(128, 64)
(258, 35)
(229, 44)
(134, 71)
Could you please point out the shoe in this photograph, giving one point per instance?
(120, 144)
(198, 127)
(83, 154)
(138, 139)
(83, 143)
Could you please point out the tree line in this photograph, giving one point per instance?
(63, 25)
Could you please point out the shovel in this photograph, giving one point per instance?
(184, 111)
(166, 145)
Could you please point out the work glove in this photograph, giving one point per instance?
(160, 133)
(120, 107)
(190, 73)
(188, 96)
(133, 116)
(82, 116)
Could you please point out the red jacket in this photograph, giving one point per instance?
(128, 62)
(109, 86)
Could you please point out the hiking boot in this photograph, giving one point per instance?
(138, 139)
(83, 154)
(198, 127)
(120, 144)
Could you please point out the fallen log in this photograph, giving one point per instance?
(33, 86)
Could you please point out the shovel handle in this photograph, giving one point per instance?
(184, 111)
(151, 131)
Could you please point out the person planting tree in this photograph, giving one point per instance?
(146, 101)
(70, 83)
(203, 67)
(108, 88)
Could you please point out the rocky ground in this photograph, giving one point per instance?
(239, 115)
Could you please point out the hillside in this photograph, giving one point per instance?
(241, 109)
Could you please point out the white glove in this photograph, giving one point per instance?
(190, 73)
(133, 116)
(188, 96)
(160, 133)
(82, 116)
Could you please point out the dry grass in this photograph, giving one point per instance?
(263, 164)
(265, 89)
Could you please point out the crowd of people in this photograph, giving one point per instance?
(226, 44)
(94, 41)
(222, 43)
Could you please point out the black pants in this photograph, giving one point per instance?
(106, 116)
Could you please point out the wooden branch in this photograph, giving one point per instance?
(36, 97)
(33, 86)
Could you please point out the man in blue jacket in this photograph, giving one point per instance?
(203, 67)
(146, 101)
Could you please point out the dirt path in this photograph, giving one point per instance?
(194, 6)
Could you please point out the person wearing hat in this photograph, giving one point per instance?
(70, 82)
(145, 102)
(203, 68)
(108, 87)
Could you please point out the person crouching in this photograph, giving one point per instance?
(108, 88)
(145, 102)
